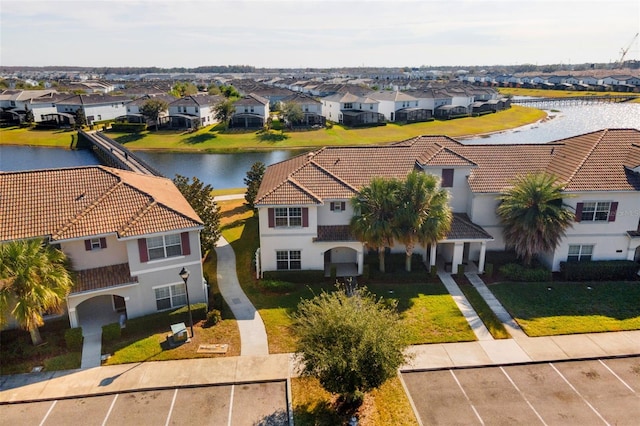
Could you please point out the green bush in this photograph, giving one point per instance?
(298, 277)
(277, 286)
(460, 269)
(128, 127)
(73, 338)
(111, 332)
(198, 312)
(500, 258)
(603, 270)
(517, 272)
(366, 271)
(213, 317)
(165, 319)
(488, 269)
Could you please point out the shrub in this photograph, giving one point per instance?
(128, 127)
(460, 269)
(500, 258)
(73, 338)
(517, 272)
(277, 286)
(165, 319)
(198, 312)
(599, 270)
(111, 332)
(488, 269)
(213, 317)
(298, 277)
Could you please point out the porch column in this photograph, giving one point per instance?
(483, 252)
(432, 255)
(458, 251)
(360, 254)
(73, 317)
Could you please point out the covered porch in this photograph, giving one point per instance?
(343, 253)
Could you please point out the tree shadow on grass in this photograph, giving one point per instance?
(200, 138)
(271, 136)
(131, 137)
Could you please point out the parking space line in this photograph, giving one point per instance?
(523, 396)
(48, 412)
(233, 387)
(106, 417)
(467, 396)
(579, 394)
(173, 402)
(617, 377)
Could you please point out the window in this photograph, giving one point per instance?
(348, 105)
(338, 206)
(95, 244)
(447, 178)
(595, 211)
(288, 216)
(580, 253)
(164, 246)
(170, 296)
(287, 260)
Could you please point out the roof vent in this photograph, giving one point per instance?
(80, 197)
(552, 149)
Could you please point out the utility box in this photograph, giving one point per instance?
(178, 334)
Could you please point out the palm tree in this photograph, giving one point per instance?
(533, 214)
(34, 278)
(423, 215)
(373, 221)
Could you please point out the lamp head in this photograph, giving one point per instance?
(184, 273)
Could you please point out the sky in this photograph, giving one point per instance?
(316, 34)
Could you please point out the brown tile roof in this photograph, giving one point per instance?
(335, 233)
(84, 201)
(103, 277)
(596, 161)
(463, 229)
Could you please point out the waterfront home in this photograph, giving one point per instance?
(251, 111)
(351, 110)
(133, 108)
(95, 107)
(194, 111)
(304, 203)
(310, 107)
(127, 236)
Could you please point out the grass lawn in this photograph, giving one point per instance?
(486, 315)
(212, 139)
(427, 310)
(313, 406)
(545, 309)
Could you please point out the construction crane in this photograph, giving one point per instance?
(623, 51)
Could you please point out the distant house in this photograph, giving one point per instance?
(192, 112)
(127, 236)
(351, 110)
(133, 108)
(304, 204)
(14, 104)
(251, 112)
(310, 106)
(399, 106)
(95, 107)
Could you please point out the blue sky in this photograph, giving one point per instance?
(305, 33)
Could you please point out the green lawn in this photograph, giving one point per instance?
(213, 139)
(546, 309)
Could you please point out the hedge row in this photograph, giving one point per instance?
(599, 270)
(166, 318)
(298, 277)
(517, 272)
(128, 127)
(73, 338)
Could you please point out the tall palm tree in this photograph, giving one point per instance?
(373, 221)
(34, 278)
(533, 215)
(423, 215)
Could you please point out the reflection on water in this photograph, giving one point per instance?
(229, 170)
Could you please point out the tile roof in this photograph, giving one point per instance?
(335, 233)
(463, 229)
(597, 161)
(79, 202)
(103, 277)
(251, 99)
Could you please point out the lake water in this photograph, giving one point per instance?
(228, 170)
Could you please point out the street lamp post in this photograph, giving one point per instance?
(184, 274)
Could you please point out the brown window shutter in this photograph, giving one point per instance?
(305, 217)
(331, 206)
(186, 247)
(272, 218)
(447, 178)
(579, 212)
(613, 211)
(87, 245)
(343, 205)
(103, 243)
(142, 249)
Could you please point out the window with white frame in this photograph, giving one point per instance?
(337, 206)
(596, 211)
(580, 253)
(164, 246)
(288, 260)
(348, 105)
(288, 216)
(171, 296)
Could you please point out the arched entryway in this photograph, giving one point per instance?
(343, 259)
(101, 310)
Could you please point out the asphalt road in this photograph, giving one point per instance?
(244, 404)
(594, 392)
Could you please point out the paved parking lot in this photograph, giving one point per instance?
(243, 404)
(593, 392)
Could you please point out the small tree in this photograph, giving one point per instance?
(81, 119)
(29, 118)
(253, 181)
(152, 108)
(352, 345)
(223, 111)
(292, 113)
(230, 92)
(183, 88)
(199, 196)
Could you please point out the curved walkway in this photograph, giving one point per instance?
(253, 336)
